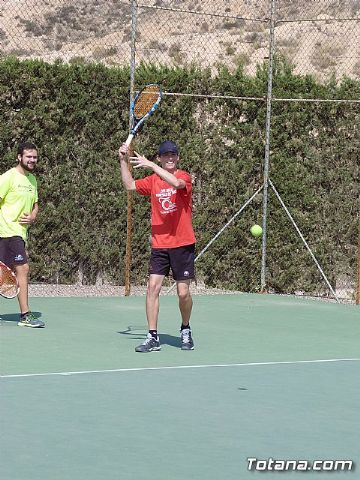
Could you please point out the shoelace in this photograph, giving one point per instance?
(186, 336)
(148, 339)
(28, 318)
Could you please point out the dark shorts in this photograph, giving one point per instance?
(12, 251)
(180, 260)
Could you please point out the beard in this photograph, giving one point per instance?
(26, 167)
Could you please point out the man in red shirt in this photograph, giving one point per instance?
(172, 234)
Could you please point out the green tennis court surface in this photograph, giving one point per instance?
(271, 377)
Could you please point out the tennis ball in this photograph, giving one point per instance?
(256, 231)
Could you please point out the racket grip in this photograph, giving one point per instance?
(129, 139)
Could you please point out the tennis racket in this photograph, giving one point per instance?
(144, 105)
(9, 286)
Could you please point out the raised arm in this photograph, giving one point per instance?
(170, 178)
(127, 178)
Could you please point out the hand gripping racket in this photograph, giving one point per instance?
(144, 105)
(9, 286)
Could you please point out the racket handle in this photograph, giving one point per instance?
(129, 139)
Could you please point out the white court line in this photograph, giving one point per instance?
(179, 367)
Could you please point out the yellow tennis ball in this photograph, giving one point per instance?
(256, 231)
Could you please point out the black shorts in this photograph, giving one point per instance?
(12, 251)
(180, 260)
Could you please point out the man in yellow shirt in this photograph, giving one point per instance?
(18, 210)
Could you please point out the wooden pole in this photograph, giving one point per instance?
(129, 225)
(134, 15)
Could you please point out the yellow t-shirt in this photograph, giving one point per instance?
(18, 194)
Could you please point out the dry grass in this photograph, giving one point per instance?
(101, 31)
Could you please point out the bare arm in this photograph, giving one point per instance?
(127, 178)
(170, 178)
(29, 218)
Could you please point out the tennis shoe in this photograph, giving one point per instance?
(150, 344)
(29, 320)
(187, 342)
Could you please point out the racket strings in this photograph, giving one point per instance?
(8, 283)
(147, 98)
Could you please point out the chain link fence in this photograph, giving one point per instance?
(318, 38)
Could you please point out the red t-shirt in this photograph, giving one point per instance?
(171, 210)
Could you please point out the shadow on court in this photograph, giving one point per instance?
(137, 333)
(14, 317)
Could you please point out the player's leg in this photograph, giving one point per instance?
(185, 306)
(152, 342)
(185, 301)
(22, 275)
(159, 267)
(183, 268)
(153, 301)
(21, 266)
(27, 319)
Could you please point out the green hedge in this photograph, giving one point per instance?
(78, 116)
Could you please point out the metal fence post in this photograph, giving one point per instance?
(267, 143)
